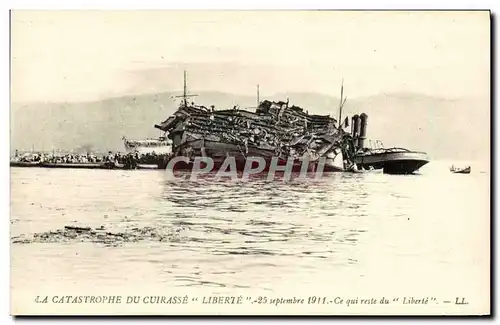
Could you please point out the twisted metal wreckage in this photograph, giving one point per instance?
(274, 130)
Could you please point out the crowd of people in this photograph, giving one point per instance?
(129, 160)
(132, 159)
(56, 158)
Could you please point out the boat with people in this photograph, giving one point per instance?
(86, 161)
(458, 170)
(101, 165)
(71, 165)
(24, 163)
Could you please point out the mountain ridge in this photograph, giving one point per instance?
(402, 94)
(418, 122)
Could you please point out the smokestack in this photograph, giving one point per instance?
(353, 120)
(355, 129)
(362, 134)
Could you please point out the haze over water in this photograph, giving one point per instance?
(343, 231)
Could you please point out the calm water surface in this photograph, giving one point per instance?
(260, 235)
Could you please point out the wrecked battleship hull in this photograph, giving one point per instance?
(225, 155)
(276, 133)
(243, 164)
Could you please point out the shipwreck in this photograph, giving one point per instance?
(274, 129)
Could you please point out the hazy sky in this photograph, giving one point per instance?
(84, 55)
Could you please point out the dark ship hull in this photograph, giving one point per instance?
(218, 152)
(392, 161)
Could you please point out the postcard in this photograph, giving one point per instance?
(267, 162)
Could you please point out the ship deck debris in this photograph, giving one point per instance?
(275, 128)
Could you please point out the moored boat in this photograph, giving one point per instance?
(24, 163)
(72, 165)
(104, 165)
(392, 160)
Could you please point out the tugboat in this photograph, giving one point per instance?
(391, 160)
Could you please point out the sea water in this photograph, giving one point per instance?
(344, 231)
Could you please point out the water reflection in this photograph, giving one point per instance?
(301, 219)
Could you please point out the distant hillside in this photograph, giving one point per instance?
(444, 128)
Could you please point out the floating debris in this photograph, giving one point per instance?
(99, 235)
(77, 229)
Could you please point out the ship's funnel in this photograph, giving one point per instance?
(355, 129)
(362, 134)
(354, 124)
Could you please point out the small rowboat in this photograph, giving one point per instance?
(147, 166)
(456, 170)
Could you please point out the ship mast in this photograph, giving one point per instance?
(185, 94)
(342, 102)
(258, 96)
(185, 88)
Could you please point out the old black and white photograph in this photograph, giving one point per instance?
(250, 162)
